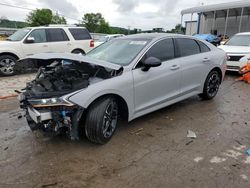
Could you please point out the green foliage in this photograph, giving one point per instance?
(119, 30)
(104, 27)
(40, 17)
(178, 29)
(56, 19)
(92, 21)
(12, 24)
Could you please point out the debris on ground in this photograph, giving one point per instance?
(191, 134)
(137, 131)
(6, 148)
(167, 117)
(189, 142)
(198, 159)
(216, 159)
(19, 116)
(8, 96)
(50, 184)
(248, 152)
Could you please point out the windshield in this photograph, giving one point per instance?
(119, 51)
(239, 40)
(18, 35)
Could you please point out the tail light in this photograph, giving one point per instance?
(92, 44)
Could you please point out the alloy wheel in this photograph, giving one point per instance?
(7, 66)
(110, 119)
(213, 85)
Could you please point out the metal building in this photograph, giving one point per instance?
(225, 18)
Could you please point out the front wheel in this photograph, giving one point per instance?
(211, 85)
(7, 64)
(101, 120)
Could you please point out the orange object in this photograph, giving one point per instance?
(245, 71)
(8, 96)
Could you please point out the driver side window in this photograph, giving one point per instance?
(163, 50)
(39, 35)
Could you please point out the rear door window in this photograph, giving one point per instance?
(57, 35)
(80, 33)
(203, 47)
(187, 47)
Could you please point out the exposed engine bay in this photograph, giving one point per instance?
(41, 99)
(64, 76)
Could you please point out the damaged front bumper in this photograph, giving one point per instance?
(52, 118)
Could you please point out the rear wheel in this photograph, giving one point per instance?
(211, 85)
(101, 120)
(77, 51)
(7, 64)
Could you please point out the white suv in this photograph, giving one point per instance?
(32, 40)
(237, 48)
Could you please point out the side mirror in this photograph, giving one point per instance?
(30, 40)
(151, 62)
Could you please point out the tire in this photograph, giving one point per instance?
(78, 52)
(7, 64)
(101, 120)
(211, 85)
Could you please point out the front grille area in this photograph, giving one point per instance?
(233, 67)
(235, 58)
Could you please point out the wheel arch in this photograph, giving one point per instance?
(219, 71)
(122, 104)
(79, 49)
(9, 53)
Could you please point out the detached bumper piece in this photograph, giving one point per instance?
(55, 120)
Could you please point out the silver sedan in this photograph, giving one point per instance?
(127, 77)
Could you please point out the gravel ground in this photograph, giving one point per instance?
(11, 83)
(151, 151)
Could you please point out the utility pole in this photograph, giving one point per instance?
(128, 30)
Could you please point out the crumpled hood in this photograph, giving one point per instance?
(235, 49)
(74, 57)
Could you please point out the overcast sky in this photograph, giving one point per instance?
(144, 14)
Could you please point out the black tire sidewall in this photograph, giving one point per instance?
(205, 91)
(101, 106)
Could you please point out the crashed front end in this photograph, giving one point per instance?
(45, 99)
(52, 115)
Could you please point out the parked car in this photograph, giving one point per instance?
(236, 48)
(126, 77)
(34, 40)
(209, 38)
(107, 38)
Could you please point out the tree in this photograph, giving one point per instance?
(104, 27)
(40, 17)
(92, 21)
(56, 19)
(178, 29)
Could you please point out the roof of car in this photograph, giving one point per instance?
(55, 26)
(152, 35)
(245, 33)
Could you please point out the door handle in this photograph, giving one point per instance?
(206, 59)
(69, 44)
(45, 45)
(174, 67)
